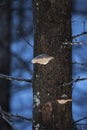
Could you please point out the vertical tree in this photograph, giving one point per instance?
(52, 27)
(4, 58)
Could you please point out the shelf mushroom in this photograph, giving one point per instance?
(64, 99)
(42, 59)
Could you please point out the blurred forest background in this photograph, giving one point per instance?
(79, 69)
(16, 32)
(16, 52)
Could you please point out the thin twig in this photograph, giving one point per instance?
(73, 43)
(82, 64)
(17, 116)
(73, 81)
(7, 120)
(80, 120)
(78, 35)
(2, 76)
(8, 117)
(26, 40)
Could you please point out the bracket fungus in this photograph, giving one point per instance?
(42, 59)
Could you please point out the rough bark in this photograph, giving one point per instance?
(52, 27)
(4, 58)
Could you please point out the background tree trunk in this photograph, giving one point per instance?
(52, 27)
(4, 58)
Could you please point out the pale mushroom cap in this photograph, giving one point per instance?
(64, 101)
(42, 59)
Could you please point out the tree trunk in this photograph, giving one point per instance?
(4, 58)
(52, 27)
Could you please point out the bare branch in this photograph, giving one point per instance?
(82, 64)
(78, 35)
(16, 116)
(73, 43)
(8, 117)
(26, 40)
(73, 81)
(79, 120)
(2, 76)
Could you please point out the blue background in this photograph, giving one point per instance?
(21, 93)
